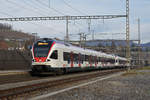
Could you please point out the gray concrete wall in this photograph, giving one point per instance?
(14, 59)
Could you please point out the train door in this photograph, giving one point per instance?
(90, 60)
(79, 64)
(103, 61)
(95, 61)
(71, 58)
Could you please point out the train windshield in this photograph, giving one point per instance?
(41, 49)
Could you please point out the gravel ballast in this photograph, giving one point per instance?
(130, 86)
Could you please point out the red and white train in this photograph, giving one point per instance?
(51, 55)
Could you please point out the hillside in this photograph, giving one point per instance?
(3, 45)
(10, 38)
(115, 43)
(7, 32)
(14, 35)
(108, 43)
(146, 44)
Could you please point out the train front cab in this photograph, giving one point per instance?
(45, 57)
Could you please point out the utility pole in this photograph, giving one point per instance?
(49, 2)
(92, 34)
(84, 37)
(139, 41)
(80, 39)
(89, 26)
(67, 34)
(127, 32)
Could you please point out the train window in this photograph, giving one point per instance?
(82, 58)
(103, 60)
(41, 49)
(93, 60)
(90, 59)
(86, 58)
(66, 56)
(99, 59)
(54, 55)
(110, 60)
(76, 58)
(96, 59)
(113, 61)
(122, 62)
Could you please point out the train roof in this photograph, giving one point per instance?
(82, 49)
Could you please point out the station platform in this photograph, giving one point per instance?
(13, 72)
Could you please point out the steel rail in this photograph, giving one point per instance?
(15, 92)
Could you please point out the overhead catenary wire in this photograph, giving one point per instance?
(59, 12)
(7, 14)
(47, 27)
(49, 2)
(35, 7)
(25, 8)
(4, 13)
(45, 8)
(79, 26)
(73, 8)
(10, 7)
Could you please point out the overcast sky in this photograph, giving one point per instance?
(20, 8)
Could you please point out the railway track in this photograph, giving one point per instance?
(7, 79)
(14, 93)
